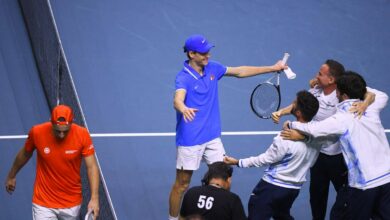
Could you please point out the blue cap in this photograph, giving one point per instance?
(197, 43)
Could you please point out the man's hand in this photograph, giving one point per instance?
(276, 116)
(313, 82)
(20, 160)
(279, 66)
(94, 206)
(358, 108)
(292, 134)
(10, 185)
(230, 160)
(189, 114)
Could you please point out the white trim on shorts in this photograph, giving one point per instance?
(40, 212)
(189, 157)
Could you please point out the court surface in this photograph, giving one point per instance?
(124, 56)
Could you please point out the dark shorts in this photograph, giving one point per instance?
(357, 204)
(268, 200)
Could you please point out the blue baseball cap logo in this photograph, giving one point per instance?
(197, 43)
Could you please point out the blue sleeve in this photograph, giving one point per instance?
(180, 82)
(218, 69)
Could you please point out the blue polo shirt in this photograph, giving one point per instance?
(202, 94)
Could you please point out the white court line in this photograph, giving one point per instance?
(6, 137)
(163, 134)
(166, 134)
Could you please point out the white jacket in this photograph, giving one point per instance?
(288, 162)
(328, 107)
(364, 144)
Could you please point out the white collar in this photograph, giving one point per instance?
(189, 71)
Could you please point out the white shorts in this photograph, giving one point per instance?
(189, 157)
(40, 213)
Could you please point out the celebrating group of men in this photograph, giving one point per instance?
(337, 135)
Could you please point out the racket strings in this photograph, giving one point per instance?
(265, 100)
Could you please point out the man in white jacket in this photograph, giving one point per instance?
(365, 150)
(288, 163)
(329, 168)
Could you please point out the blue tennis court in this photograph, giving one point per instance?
(124, 55)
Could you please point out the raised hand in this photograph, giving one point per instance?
(313, 82)
(276, 116)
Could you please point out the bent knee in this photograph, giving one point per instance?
(181, 186)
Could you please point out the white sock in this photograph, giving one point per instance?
(173, 218)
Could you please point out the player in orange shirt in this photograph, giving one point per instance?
(60, 146)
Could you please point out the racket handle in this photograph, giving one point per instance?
(289, 73)
(285, 58)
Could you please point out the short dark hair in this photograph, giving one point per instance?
(352, 84)
(217, 170)
(336, 69)
(185, 49)
(308, 104)
(187, 52)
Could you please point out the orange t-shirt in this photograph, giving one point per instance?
(58, 181)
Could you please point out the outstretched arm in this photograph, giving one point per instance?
(337, 124)
(273, 154)
(248, 71)
(21, 159)
(93, 177)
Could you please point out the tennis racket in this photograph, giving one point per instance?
(266, 98)
(89, 215)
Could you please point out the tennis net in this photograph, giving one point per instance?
(58, 83)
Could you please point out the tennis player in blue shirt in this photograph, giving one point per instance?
(198, 127)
